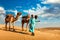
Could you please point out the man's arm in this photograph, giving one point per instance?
(37, 21)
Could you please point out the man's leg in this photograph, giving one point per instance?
(33, 34)
(33, 31)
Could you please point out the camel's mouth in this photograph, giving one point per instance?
(19, 13)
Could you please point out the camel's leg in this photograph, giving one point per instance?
(13, 26)
(9, 26)
(6, 25)
(26, 26)
(22, 26)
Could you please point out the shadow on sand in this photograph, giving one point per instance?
(15, 30)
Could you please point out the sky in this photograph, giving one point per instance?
(48, 11)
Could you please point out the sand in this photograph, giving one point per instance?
(41, 34)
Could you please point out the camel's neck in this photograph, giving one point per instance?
(16, 17)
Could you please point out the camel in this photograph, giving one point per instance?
(11, 19)
(25, 19)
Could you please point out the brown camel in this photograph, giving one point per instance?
(11, 19)
(25, 19)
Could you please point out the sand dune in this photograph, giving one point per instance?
(41, 34)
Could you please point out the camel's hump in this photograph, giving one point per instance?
(25, 17)
(9, 15)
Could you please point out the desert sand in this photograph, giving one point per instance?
(40, 34)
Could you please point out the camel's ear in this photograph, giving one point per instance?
(19, 13)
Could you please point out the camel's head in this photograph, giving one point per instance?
(19, 13)
(28, 16)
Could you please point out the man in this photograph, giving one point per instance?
(32, 23)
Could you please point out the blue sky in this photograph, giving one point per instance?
(48, 11)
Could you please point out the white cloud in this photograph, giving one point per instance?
(2, 19)
(51, 1)
(15, 11)
(33, 8)
(2, 10)
(45, 22)
(47, 15)
(18, 6)
(38, 11)
(44, 12)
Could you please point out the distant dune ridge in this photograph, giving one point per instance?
(40, 34)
